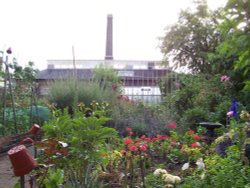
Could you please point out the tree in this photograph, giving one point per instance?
(190, 41)
(235, 29)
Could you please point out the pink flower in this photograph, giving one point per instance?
(230, 113)
(130, 132)
(224, 78)
(172, 125)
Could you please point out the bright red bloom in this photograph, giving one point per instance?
(172, 125)
(132, 148)
(127, 141)
(195, 145)
(143, 147)
(128, 129)
(190, 131)
(130, 132)
(196, 137)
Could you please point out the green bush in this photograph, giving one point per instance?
(199, 98)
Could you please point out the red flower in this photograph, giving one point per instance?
(147, 139)
(190, 131)
(143, 147)
(195, 145)
(128, 129)
(154, 139)
(196, 137)
(132, 147)
(172, 125)
(127, 141)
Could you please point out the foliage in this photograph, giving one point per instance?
(54, 179)
(232, 53)
(86, 137)
(106, 77)
(17, 101)
(200, 98)
(153, 181)
(189, 42)
(70, 92)
(221, 172)
(143, 119)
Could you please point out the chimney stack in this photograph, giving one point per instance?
(109, 39)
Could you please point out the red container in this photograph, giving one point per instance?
(34, 129)
(22, 162)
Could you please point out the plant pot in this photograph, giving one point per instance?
(22, 162)
(34, 129)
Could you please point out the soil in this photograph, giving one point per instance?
(7, 178)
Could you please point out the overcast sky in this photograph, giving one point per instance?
(38, 30)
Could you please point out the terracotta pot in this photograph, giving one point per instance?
(22, 162)
(34, 129)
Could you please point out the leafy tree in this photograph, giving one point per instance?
(236, 29)
(233, 52)
(189, 42)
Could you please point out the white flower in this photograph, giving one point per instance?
(159, 171)
(177, 179)
(168, 178)
(200, 163)
(185, 166)
(171, 179)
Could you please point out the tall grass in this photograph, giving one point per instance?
(69, 92)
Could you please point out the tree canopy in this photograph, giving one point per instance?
(190, 41)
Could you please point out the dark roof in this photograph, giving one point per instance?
(138, 74)
(54, 74)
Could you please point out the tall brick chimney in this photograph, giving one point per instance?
(109, 39)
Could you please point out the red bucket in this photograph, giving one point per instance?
(22, 162)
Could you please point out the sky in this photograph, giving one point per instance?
(38, 30)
